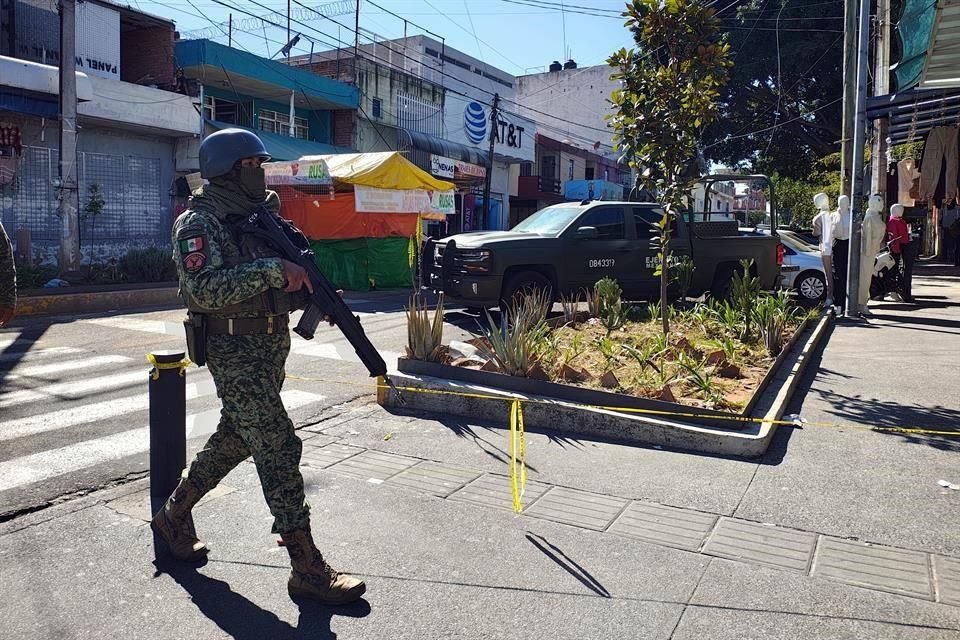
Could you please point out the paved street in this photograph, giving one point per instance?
(839, 532)
(74, 404)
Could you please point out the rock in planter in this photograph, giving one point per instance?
(730, 371)
(666, 394)
(491, 366)
(536, 372)
(714, 357)
(458, 350)
(468, 362)
(609, 380)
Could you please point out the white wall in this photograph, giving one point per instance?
(573, 95)
(153, 110)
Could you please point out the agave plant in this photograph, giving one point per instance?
(771, 314)
(593, 302)
(683, 275)
(517, 340)
(571, 306)
(744, 291)
(424, 335)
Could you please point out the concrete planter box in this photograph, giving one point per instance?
(575, 411)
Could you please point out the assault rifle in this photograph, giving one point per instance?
(292, 245)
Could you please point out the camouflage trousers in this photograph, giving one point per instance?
(248, 372)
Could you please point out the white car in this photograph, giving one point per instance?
(802, 268)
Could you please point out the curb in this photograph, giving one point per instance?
(573, 419)
(98, 301)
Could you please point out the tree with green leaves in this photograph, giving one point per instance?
(781, 110)
(670, 87)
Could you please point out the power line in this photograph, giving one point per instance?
(753, 133)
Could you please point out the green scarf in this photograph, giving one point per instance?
(224, 199)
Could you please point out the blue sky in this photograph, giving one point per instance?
(516, 37)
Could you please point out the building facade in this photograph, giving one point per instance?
(129, 121)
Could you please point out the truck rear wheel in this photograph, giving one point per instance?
(525, 282)
(722, 283)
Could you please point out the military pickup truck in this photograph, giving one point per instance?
(569, 246)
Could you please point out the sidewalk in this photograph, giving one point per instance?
(614, 542)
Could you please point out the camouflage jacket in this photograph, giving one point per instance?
(211, 271)
(8, 272)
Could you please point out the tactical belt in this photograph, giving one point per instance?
(247, 326)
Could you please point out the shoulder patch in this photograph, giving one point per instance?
(193, 262)
(191, 243)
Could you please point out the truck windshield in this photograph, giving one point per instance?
(550, 221)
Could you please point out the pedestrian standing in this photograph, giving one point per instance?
(242, 292)
(8, 279)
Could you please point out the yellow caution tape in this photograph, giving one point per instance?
(157, 366)
(517, 446)
(653, 412)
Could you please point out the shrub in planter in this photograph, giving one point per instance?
(516, 342)
(151, 264)
(34, 276)
(424, 335)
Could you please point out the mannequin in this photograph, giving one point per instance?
(823, 229)
(871, 241)
(898, 234)
(841, 246)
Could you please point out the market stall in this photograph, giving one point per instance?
(363, 213)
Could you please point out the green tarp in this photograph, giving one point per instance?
(914, 31)
(365, 263)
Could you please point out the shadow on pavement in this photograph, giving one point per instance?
(570, 566)
(12, 354)
(243, 620)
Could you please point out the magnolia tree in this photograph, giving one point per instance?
(670, 87)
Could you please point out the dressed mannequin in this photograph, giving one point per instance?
(898, 234)
(871, 241)
(823, 229)
(841, 247)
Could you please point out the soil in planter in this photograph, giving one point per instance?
(702, 363)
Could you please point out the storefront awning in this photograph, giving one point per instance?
(37, 82)
(286, 147)
(438, 146)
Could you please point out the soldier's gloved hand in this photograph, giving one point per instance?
(6, 315)
(296, 277)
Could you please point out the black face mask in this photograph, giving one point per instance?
(253, 183)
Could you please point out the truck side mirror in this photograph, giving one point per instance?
(587, 232)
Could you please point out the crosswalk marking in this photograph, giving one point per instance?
(37, 354)
(72, 390)
(70, 365)
(57, 462)
(64, 418)
(139, 324)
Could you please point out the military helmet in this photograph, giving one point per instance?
(220, 151)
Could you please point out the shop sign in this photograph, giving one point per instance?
(309, 172)
(592, 190)
(467, 170)
(441, 167)
(373, 200)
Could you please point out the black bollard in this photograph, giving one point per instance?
(168, 424)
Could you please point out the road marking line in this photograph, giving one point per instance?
(138, 324)
(66, 365)
(83, 455)
(64, 418)
(36, 354)
(73, 390)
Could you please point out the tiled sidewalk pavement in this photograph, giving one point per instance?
(915, 574)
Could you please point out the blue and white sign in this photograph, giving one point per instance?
(467, 121)
(475, 122)
(592, 190)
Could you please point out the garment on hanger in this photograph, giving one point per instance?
(907, 173)
(940, 148)
(8, 165)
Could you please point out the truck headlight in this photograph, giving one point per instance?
(474, 260)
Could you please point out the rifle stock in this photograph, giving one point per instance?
(324, 301)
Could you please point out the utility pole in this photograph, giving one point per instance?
(493, 136)
(356, 47)
(881, 84)
(849, 91)
(288, 21)
(230, 31)
(68, 191)
(856, 168)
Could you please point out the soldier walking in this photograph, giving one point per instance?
(8, 279)
(239, 294)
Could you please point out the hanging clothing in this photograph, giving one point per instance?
(940, 148)
(897, 234)
(906, 175)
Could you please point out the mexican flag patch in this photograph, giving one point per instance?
(191, 244)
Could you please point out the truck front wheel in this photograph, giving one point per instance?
(522, 283)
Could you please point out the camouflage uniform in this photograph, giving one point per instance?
(248, 369)
(8, 273)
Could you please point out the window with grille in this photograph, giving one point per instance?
(276, 122)
(238, 113)
(377, 108)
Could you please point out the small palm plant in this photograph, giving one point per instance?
(424, 334)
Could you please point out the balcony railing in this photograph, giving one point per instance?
(535, 186)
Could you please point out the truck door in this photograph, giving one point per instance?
(646, 221)
(602, 244)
